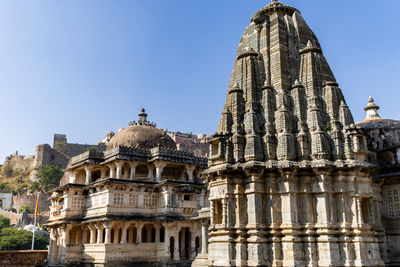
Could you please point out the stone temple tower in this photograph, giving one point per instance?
(289, 178)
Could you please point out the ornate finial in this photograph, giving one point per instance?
(372, 110)
(142, 119)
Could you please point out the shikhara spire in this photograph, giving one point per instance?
(283, 100)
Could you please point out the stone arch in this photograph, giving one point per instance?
(96, 175)
(171, 247)
(132, 234)
(148, 233)
(184, 243)
(162, 234)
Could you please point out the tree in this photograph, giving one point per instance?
(4, 222)
(7, 170)
(18, 239)
(48, 178)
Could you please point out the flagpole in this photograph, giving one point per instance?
(34, 221)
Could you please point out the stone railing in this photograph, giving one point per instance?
(91, 155)
(119, 203)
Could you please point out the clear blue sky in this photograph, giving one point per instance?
(84, 68)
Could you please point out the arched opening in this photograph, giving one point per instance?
(141, 172)
(184, 243)
(148, 233)
(104, 236)
(172, 247)
(162, 234)
(96, 175)
(197, 245)
(112, 235)
(132, 234)
(119, 235)
(144, 235)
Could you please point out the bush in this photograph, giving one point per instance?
(7, 170)
(4, 187)
(4, 222)
(16, 239)
(25, 208)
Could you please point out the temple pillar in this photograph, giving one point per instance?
(64, 239)
(99, 228)
(133, 170)
(327, 243)
(291, 240)
(189, 172)
(107, 238)
(139, 233)
(157, 237)
(159, 168)
(150, 174)
(92, 230)
(103, 173)
(72, 176)
(118, 165)
(124, 233)
(204, 237)
(112, 171)
(88, 170)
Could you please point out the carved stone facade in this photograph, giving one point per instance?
(130, 204)
(290, 178)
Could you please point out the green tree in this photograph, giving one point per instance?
(18, 239)
(48, 178)
(7, 170)
(25, 208)
(4, 222)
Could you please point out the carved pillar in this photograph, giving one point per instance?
(150, 174)
(189, 172)
(99, 228)
(52, 245)
(65, 240)
(133, 170)
(72, 176)
(92, 230)
(327, 242)
(103, 173)
(112, 171)
(257, 243)
(107, 238)
(88, 170)
(157, 237)
(159, 168)
(139, 234)
(124, 233)
(119, 164)
(204, 237)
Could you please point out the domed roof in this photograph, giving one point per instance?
(141, 134)
(374, 121)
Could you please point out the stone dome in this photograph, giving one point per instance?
(142, 134)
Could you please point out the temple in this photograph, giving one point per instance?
(130, 204)
(293, 181)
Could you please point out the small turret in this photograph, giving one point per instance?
(372, 110)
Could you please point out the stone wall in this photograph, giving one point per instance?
(23, 258)
(30, 201)
(20, 162)
(14, 217)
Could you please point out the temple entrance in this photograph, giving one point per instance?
(184, 243)
(172, 247)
